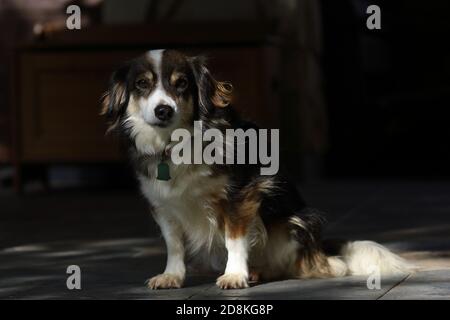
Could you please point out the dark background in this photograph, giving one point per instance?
(373, 104)
(388, 92)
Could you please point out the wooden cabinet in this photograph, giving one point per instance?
(59, 106)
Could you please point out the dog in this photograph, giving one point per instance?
(252, 226)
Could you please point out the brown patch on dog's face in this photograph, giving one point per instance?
(144, 84)
(179, 83)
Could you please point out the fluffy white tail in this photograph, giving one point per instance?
(367, 257)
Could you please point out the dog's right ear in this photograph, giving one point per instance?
(115, 100)
(211, 93)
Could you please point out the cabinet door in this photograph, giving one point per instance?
(59, 94)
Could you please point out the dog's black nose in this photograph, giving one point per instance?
(163, 112)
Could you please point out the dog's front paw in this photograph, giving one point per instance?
(232, 281)
(165, 281)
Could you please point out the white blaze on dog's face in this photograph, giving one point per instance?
(158, 106)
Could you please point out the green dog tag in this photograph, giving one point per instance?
(163, 172)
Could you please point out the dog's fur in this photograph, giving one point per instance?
(251, 225)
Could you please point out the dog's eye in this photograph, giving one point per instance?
(181, 84)
(142, 84)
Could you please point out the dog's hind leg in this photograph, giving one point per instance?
(312, 262)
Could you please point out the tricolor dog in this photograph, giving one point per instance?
(247, 225)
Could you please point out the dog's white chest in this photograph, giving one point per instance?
(187, 198)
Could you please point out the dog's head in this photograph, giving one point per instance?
(163, 90)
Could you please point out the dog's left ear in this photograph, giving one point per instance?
(211, 93)
(115, 100)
